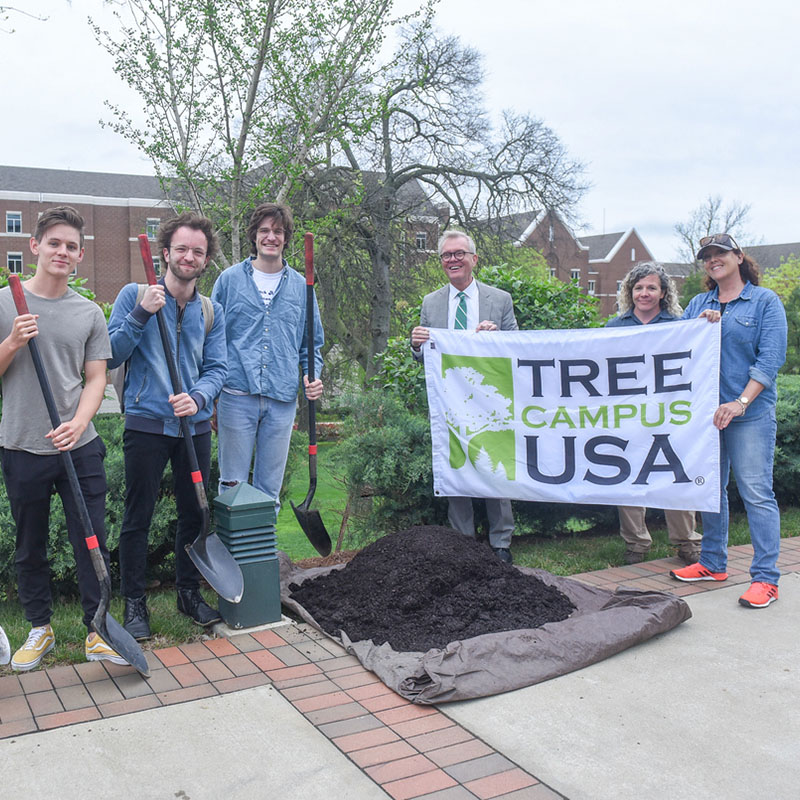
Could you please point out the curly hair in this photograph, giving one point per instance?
(669, 302)
(166, 230)
(748, 270)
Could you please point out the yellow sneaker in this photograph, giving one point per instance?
(39, 643)
(97, 650)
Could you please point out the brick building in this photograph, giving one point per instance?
(597, 263)
(117, 208)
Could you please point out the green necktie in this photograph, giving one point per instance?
(461, 312)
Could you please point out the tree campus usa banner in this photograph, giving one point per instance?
(612, 416)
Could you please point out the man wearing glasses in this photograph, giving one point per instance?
(265, 317)
(467, 304)
(152, 412)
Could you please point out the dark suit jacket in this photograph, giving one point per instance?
(493, 304)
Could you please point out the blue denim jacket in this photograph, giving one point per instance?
(266, 345)
(753, 343)
(202, 361)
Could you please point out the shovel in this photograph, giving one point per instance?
(208, 553)
(103, 623)
(310, 520)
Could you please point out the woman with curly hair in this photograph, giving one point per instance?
(646, 296)
(752, 351)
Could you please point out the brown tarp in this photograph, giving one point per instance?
(603, 623)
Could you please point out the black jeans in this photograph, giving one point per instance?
(30, 481)
(146, 456)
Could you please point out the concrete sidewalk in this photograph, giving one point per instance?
(707, 710)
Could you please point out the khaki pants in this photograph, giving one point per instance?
(632, 528)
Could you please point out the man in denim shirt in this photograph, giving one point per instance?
(152, 425)
(265, 317)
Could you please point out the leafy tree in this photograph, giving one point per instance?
(240, 95)
(426, 126)
(785, 282)
(693, 285)
(708, 218)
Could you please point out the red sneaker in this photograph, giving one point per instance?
(759, 595)
(697, 572)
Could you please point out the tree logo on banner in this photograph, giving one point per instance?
(479, 399)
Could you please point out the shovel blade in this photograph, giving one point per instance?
(116, 637)
(217, 566)
(313, 527)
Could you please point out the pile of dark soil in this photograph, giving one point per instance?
(426, 587)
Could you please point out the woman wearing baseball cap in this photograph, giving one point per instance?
(752, 351)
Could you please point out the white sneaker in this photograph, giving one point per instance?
(5, 648)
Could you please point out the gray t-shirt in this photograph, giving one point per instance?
(72, 331)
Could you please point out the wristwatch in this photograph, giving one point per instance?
(743, 402)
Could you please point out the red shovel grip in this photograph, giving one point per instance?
(308, 240)
(15, 285)
(147, 259)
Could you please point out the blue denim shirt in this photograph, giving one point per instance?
(753, 343)
(266, 345)
(628, 318)
(201, 362)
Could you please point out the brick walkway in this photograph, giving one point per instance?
(411, 751)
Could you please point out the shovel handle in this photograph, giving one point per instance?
(147, 259)
(308, 241)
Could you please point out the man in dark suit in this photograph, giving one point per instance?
(467, 304)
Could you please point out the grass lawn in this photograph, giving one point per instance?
(329, 499)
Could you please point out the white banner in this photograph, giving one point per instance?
(613, 416)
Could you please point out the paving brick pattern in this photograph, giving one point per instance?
(410, 751)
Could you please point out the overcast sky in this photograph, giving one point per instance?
(665, 103)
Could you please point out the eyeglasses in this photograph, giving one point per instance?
(181, 250)
(276, 232)
(457, 255)
(724, 239)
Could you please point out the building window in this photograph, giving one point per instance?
(13, 222)
(157, 265)
(619, 286)
(14, 263)
(152, 228)
(633, 254)
(575, 274)
(422, 240)
(552, 272)
(591, 287)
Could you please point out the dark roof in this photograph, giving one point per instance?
(66, 181)
(600, 245)
(770, 256)
(679, 270)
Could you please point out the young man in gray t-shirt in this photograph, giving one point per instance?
(73, 341)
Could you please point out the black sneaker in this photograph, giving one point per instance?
(137, 618)
(504, 554)
(191, 603)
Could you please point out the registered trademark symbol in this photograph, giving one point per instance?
(700, 480)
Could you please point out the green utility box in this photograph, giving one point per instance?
(245, 523)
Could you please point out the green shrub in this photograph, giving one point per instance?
(385, 455)
(161, 545)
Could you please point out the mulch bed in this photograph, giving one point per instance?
(425, 587)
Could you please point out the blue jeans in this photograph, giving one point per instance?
(747, 446)
(249, 421)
